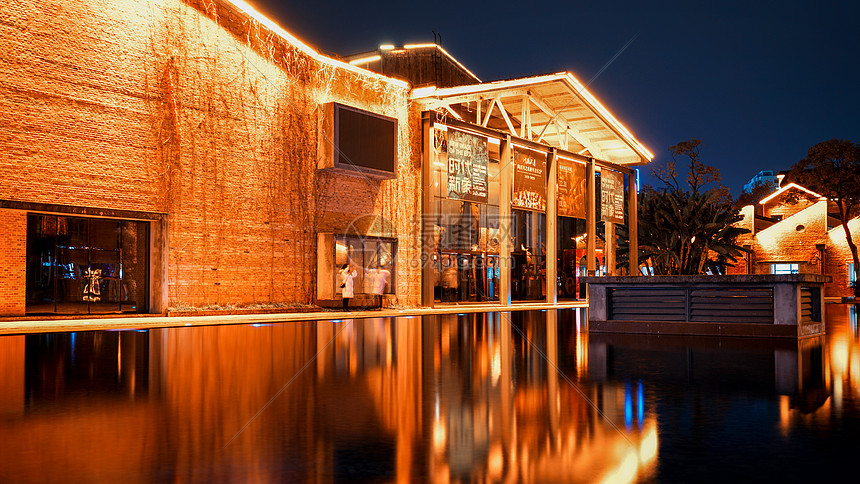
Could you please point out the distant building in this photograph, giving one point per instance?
(794, 230)
(420, 64)
(763, 177)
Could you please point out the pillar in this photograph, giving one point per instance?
(552, 230)
(428, 214)
(506, 178)
(633, 223)
(590, 218)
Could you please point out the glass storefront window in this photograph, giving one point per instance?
(78, 265)
(373, 260)
(465, 261)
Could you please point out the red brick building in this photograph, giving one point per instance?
(792, 230)
(191, 153)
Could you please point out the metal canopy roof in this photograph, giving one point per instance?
(554, 109)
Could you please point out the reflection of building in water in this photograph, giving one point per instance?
(453, 397)
(841, 370)
(797, 371)
(502, 412)
(75, 407)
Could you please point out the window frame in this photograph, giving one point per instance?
(778, 268)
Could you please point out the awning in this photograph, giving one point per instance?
(554, 110)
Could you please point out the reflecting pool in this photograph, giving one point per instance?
(487, 397)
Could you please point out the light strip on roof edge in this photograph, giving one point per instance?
(365, 60)
(271, 25)
(784, 189)
(578, 88)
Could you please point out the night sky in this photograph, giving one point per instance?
(758, 84)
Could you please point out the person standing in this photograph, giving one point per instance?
(379, 282)
(347, 274)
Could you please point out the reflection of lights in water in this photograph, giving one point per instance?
(854, 370)
(640, 405)
(634, 458)
(495, 462)
(628, 406)
(784, 414)
(648, 445)
(626, 471)
(839, 354)
(497, 365)
(439, 436)
(581, 352)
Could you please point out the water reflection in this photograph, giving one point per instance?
(513, 397)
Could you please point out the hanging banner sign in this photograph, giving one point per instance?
(571, 188)
(468, 159)
(611, 196)
(529, 180)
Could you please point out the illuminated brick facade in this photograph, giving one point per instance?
(13, 238)
(792, 226)
(197, 116)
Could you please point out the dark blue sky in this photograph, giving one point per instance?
(758, 82)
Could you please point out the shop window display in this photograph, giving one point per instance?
(78, 265)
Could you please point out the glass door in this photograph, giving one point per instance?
(467, 276)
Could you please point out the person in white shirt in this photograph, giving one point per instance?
(380, 279)
(347, 274)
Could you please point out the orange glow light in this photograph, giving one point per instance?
(246, 8)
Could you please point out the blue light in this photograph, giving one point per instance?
(628, 406)
(640, 404)
(637, 180)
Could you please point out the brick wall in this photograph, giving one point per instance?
(191, 109)
(13, 254)
(787, 204)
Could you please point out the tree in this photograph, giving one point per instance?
(686, 231)
(758, 192)
(832, 169)
(700, 177)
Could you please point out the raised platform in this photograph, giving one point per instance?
(761, 305)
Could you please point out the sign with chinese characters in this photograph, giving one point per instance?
(611, 196)
(468, 159)
(571, 188)
(529, 179)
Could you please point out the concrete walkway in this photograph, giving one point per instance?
(32, 326)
